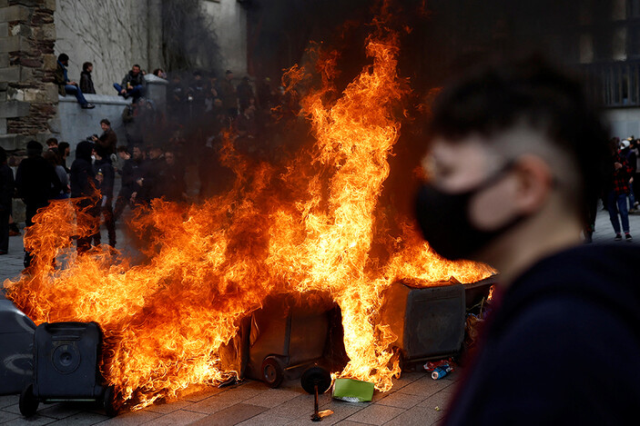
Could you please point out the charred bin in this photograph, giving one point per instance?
(66, 357)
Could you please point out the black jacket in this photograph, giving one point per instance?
(7, 186)
(37, 181)
(134, 80)
(86, 83)
(562, 348)
(105, 167)
(82, 177)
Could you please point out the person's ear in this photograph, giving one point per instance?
(534, 183)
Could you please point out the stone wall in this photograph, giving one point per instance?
(28, 96)
(112, 34)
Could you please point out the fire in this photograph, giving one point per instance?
(309, 227)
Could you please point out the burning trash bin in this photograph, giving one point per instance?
(66, 359)
(429, 322)
(285, 334)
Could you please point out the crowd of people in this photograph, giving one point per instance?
(159, 146)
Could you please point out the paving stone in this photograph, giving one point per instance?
(265, 419)
(58, 411)
(425, 387)
(81, 419)
(169, 407)
(36, 420)
(5, 416)
(231, 416)
(177, 418)
(341, 410)
(129, 419)
(418, 416)
(203, 394)
(351, 423)
(226, 399)
(376, 414)
(273, 397)
(8, 400)
(441, 399)
(294, 408)
(12, 409)
(401, 400)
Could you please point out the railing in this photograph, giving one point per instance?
(614, 84)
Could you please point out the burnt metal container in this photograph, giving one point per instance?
(66, 356)
(284, 335)
(66, 360)
(429, 322)
(16, 348)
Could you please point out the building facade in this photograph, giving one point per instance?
(111, 34)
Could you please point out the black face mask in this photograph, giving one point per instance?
(444, 219)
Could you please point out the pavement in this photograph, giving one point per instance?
(415, 398)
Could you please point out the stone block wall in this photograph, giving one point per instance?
(28, 94)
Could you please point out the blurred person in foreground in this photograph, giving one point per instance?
(515, 156)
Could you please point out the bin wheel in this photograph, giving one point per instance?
(272, 372)
(28, 402)
(108, 400)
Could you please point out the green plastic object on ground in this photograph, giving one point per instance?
(353, 390)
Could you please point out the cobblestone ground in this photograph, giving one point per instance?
(415, 399)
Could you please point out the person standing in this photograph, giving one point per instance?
(617, 192)
(229, 95)
(37, 183)
(83, 185)
(67, 86)
(108, 139)
(53, 157)
(105, 175)
(7, 188)
(131, 172)
(86, 83)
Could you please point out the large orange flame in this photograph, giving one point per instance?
(309, 228)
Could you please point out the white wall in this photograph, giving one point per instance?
(230, 23)
(624, 122)
(112, 34)
(74, 124)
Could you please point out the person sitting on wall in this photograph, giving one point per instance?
(133, 84)
(67, 86)
(86, 83)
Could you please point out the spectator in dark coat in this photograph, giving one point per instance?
(37, 183)
(515, 153)
(149, 186)
(229, 95)
(105, 176)
(7, 188)
(172, 179)
(108, 139)
(84, 185)
(131, 172)
(86, 83)
(245, 94)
